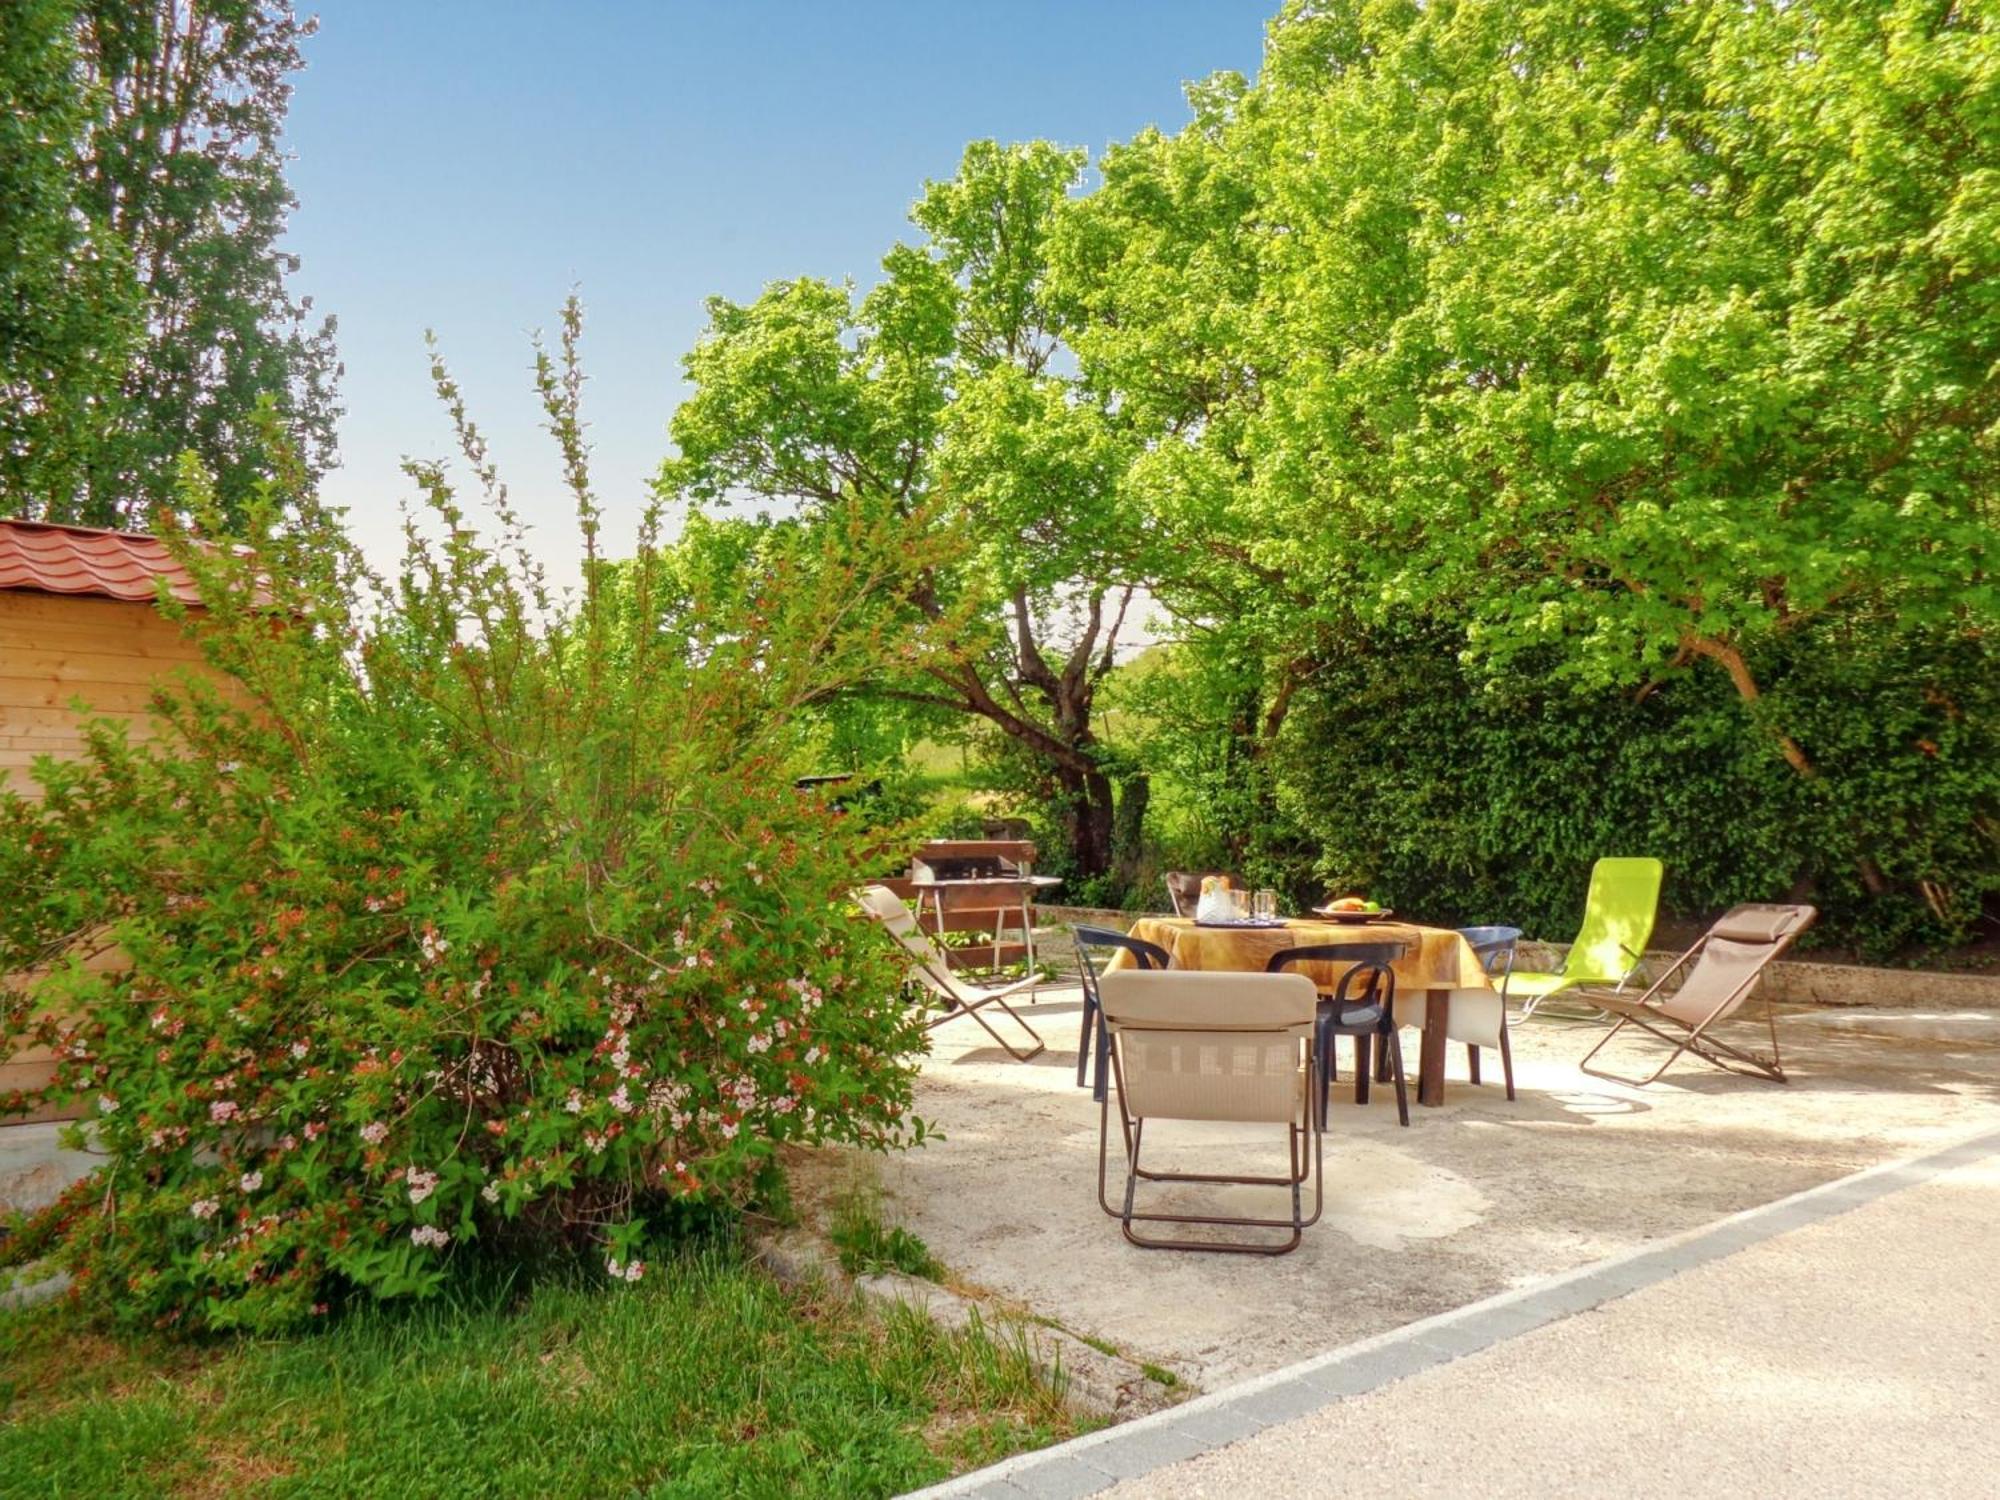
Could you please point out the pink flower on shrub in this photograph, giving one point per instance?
(491, 1192)
(429, 1234)
(422, 1184)
(373, 1132)
(621, 1101)
(626, 1270)
(204, 1208)
(106, 1104)
(300, 1049)
(315, 1129)
(222, 1111)
(250, 1181)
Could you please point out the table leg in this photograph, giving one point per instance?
(1430, 1069)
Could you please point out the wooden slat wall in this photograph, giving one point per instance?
(55, 649)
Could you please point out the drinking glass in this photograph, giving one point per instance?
(1267, 906)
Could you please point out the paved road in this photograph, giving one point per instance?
(1846, 1341)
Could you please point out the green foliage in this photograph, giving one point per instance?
(143, 302)
(707, 1379)
(866, 1244)
(941, 397)
(1474, 798)
(463, 918)
(1631, 348)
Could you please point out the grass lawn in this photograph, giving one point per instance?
(705, 1379)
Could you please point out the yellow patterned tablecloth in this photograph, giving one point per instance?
(1437, 957)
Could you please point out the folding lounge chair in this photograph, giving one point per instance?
(1617, 923)
(1190, 1045)
(930, 968)
(1728, 961)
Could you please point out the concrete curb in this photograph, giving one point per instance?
(1099, 1460)
(1093, 1382)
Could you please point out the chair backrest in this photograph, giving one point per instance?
(1732, 956)
(929, 966)
(1493, 946)
(1184, 888)
(1196, 1045)
(1146, 955)
(1617, 920)
(1367, 962)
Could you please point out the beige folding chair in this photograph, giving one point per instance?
(930, 968)
(1190, 1045)
(1184, 888)
(1729, 959)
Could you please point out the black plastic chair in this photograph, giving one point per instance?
(1493, 946)
(1367, 1016)
(1146, 955)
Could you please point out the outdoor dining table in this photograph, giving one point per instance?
(1437, 961)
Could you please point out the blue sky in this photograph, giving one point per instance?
(461, 166)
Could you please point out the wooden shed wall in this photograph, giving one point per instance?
(55, 648)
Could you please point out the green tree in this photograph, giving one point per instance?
(1631, 338)
(69, 314)
(147, 308)
(940, 397)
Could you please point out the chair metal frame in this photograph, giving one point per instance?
(1302, 1165)
(1146, 955)
(1645, 1013)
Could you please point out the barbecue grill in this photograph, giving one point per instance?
(979, 885)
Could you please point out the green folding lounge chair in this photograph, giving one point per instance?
(1617, 924)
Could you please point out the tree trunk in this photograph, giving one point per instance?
(1089, 817)
(1129, 827)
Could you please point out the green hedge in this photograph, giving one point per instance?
(1486, 800)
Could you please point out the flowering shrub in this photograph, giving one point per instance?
(457, 915)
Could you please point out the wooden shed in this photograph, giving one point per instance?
(77, 622)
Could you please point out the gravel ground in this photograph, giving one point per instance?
(1474, 1198)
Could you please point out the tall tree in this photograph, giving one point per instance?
(69, 312)
(942, 395)
(161, 196)
(1648, 333)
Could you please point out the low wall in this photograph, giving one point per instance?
(1789, 981)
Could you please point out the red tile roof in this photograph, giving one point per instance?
(79, 560)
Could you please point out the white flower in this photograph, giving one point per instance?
(222, 1111)
(250, 1181)
(204, 1208)
(621, 1101)
(422, 1184)
(574, 1103)
(429, 1234)
(491, 1192)
(373, 1132)
(300, 1049)
(625, 1270)
(106, 1104)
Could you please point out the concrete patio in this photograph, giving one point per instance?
(1475, 1198)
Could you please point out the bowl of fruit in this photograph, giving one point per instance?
(1354, 909)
